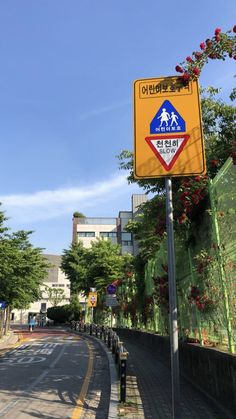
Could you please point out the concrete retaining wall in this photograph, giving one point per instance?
(213, 371)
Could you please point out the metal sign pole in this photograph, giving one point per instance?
(172, 303)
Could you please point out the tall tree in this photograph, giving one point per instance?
(74, 265)
(22, 270)
(55, 295)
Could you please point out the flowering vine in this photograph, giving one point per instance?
(218, 47)
(191, 192)
(206, 293)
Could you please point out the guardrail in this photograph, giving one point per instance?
(112, 340)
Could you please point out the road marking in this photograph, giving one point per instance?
(78, 410)
(23, 360)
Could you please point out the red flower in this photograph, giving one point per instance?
(217, 31)
(179, 69)
(195, 199)
(189, 59)
(183, 195)
(197, 178)
(185, 77)
(208, 43)
(214, 163)
(182, 218)
(196, 71)
(197, 55)
(202, 45)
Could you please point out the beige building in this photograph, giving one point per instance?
(56, 279)
(90, 229)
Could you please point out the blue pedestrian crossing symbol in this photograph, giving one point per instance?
(167, 119)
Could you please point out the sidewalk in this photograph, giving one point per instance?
(8, 341)
(153, 384)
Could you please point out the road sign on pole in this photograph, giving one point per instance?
(92, 299)
(111, 289)
(168, 139)
(3, 304)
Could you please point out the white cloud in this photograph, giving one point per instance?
(105, 109)
(48, 204)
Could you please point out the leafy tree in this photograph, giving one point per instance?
(78, 214)
(149, 227)
(55, 295)
(219, 127)
(104, 263)
(60, 314)
(96, 267)
(74, 265)
(22, 270)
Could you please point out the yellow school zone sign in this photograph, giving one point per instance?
(168, 138)
(92, 299)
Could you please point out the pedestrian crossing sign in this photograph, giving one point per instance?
(167, 120)
(168, 137)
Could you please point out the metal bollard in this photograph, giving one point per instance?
(85, 328)
(90, 329)
(113, 344)
(79, 327)
(109, 339)
(96, 331)
(117, 353)
(123, 362)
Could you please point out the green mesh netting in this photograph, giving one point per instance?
(205, 256)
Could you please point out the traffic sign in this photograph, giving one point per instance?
(111, 289)
(111, 301)
(167, 120)
(168, 148)
(168, 139)
(3, 304)
(92, 299)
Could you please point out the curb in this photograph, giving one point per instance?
(9, 341)
(114, 396)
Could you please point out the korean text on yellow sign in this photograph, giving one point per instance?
(168, 138)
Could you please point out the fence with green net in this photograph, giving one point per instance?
(205, 269)
(205, 253)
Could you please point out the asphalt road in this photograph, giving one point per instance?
(52, 374)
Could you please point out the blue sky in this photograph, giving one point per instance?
(66, 74)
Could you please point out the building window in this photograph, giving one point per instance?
(126, 243)
(126, 236)
(111, 234)
(43, 307)
(126, 239)
(86, 234)
(58, 285)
